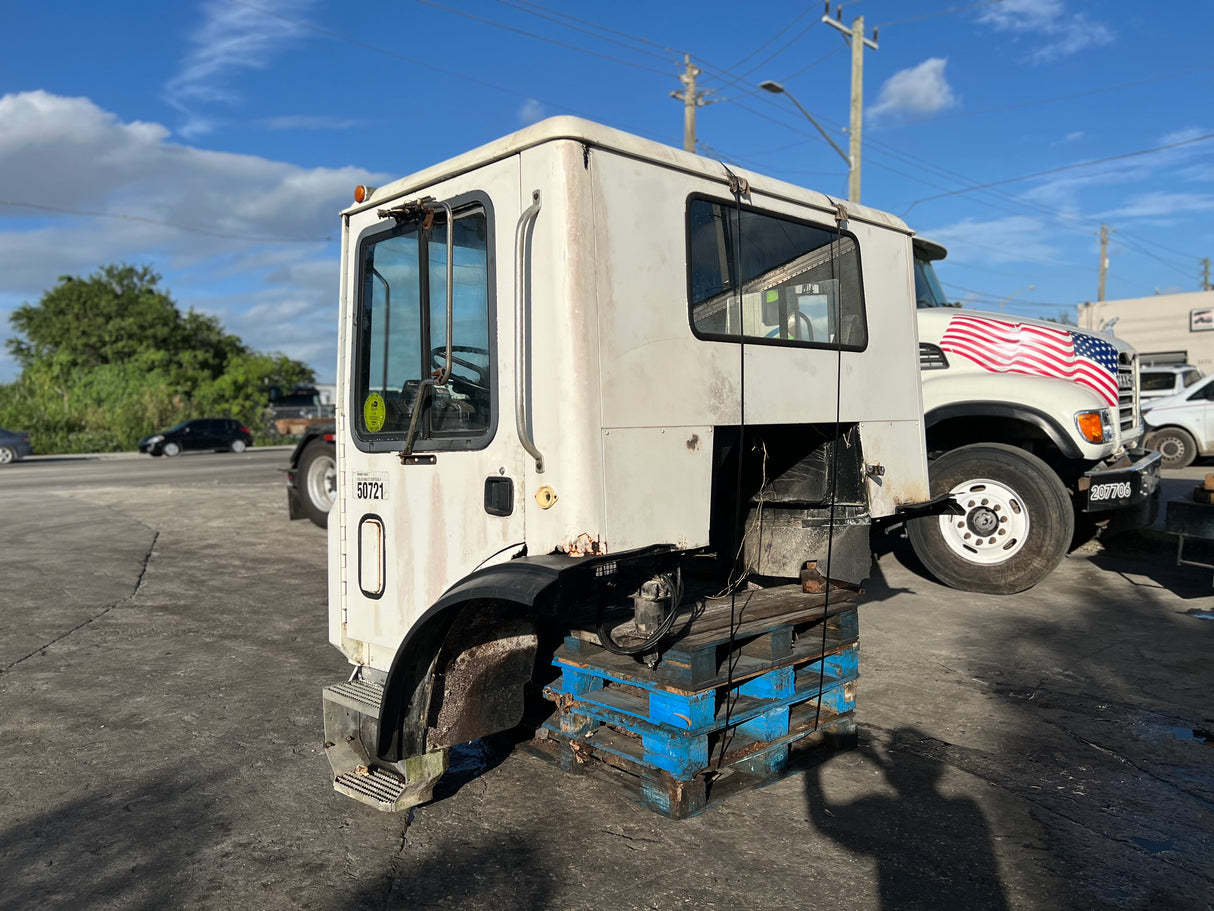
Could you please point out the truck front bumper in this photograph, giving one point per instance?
(1132, 481)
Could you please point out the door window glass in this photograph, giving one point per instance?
(402, 326)
(769, 279)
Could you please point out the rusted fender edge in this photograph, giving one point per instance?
(534, 583)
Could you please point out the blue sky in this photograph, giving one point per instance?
(217, 141)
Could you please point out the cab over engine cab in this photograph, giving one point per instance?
(582, 375)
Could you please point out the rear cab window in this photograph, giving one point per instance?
(771, 279)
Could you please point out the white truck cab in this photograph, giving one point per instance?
(577, 366)
(1029, 424)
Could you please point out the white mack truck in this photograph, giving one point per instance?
(1030, 424)
(581, 377)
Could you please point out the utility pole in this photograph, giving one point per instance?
(1205, 274)
(1104, 259)
(691, 99)
(855, 37)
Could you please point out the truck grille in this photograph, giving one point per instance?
(1127, 394)
(931, 357)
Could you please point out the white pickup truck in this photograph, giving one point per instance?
(1030, 425)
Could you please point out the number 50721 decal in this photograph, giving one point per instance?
(370, 485)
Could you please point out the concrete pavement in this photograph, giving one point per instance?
(162, 651)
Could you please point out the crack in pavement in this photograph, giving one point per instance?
(147, 559)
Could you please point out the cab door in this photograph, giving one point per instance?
(431, 468)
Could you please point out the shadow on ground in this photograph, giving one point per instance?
(930, 850)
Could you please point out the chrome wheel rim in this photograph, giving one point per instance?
(995, 526)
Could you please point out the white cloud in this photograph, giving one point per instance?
(1056, 32)
(1016, 239)
(531, 112)
(306, 122)
(1161, 206)
(1183, 163)
(919, 90)
(232, 38)
(247, 239)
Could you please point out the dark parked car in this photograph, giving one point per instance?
(202, 433)
(14, 446)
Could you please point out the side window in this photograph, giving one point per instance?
(769, 279)
(1154, 382)
(402, 326)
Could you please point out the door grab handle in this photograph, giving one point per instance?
(521, 287)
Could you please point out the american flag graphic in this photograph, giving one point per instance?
(1007, 347)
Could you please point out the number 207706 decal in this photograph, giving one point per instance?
(1117, 490)
(370, 485)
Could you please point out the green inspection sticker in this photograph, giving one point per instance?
(374, 412)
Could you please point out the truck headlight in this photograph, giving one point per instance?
(1095, 426)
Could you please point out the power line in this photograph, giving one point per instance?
(1042, 101)
(1066, 221)
(537, 37)
(770, 57)
(592, 26)
(1068, 167)
(555, 17)
(772, 38)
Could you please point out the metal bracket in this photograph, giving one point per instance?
(411, 209)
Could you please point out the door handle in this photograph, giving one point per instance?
(521, 287)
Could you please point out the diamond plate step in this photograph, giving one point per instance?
(359, 695)
(375, 787)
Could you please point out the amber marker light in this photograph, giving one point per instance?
(1091, 425)
(363, 193)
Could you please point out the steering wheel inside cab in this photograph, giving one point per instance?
(467, 376)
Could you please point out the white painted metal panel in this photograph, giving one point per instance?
(896, 446)
(657, 481)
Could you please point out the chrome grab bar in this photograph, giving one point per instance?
(521, 287)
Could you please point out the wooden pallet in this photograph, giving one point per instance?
(726, 708)
(728, 639)
(616, 759)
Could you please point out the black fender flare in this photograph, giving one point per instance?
(533, 583)
(1043, 422)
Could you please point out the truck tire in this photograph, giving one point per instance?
(1017, 525)
(317, 476)
(1176, 447)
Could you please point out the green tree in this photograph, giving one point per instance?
(109, 358)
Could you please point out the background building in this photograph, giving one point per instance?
(1175, 328)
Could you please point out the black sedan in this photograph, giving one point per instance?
(14, 446)
(200, 434)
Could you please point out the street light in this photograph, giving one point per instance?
(1014, 293)
(776, 89)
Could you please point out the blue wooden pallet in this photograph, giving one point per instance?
(673, 747)
(724, 640)
(618, 759)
